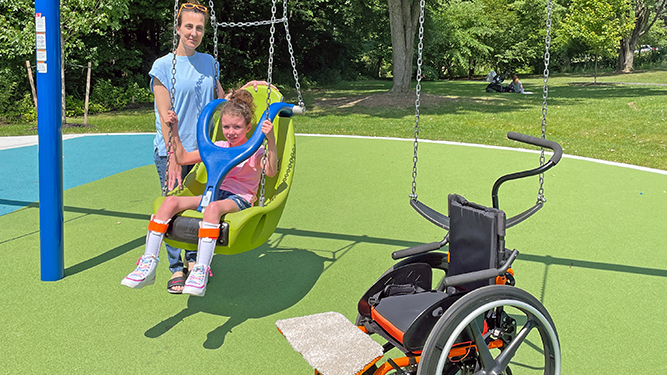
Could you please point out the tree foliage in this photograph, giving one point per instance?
(598, 24)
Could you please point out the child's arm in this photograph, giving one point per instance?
(271, 152)
(182, 157)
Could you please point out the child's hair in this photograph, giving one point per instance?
(241, 103)
(195, 7)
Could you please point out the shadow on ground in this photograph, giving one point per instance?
(250, 285)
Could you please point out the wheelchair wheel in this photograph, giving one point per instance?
(500, 316)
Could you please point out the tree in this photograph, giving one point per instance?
(599, 24)
(461, 35)
(403, 22)
(646, 14)
(17, 44)
(83, 17)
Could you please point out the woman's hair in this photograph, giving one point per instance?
(195, 7)
(241, 103)
(514, 76)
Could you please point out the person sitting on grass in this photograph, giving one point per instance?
(516, 86)
(238, 193)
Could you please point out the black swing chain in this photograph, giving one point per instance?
(545, 94)
(272, 22)
(269, 79)
(172, 99)
(288, 37)
(214, 25)
(420, 48)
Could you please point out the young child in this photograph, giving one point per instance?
(238, 193)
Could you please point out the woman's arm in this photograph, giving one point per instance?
(271, 152)
(181, 156)
(167, 116)
(221, 92)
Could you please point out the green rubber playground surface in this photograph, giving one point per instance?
(596, 256)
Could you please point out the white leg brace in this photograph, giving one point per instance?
(206, 246)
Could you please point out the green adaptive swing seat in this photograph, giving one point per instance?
(244, 230)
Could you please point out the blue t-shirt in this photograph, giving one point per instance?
(195, 85)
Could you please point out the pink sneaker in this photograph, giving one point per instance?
(196, 283)
(144, 274)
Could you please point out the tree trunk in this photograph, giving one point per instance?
(403, 18)
(626, 56)
(595, 77)
(643, 23)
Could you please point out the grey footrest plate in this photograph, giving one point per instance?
(330, 343)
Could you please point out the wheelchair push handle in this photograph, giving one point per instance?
(555, 158)
(540, 142)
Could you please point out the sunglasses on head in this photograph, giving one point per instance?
(198, 7)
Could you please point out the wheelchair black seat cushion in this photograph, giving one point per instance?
(420, 275)
(409, 318)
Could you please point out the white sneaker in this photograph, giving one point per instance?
(196, 283)
(144, 274)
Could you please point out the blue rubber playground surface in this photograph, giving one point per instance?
(595, 256)
(85, 159)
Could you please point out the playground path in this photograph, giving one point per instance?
(594, 256)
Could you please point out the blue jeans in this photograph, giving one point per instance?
(174, 254)
(241, 203)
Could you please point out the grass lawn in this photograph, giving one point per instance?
(618, 122)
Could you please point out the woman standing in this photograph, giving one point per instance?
(195, 84)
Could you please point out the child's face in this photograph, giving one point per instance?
(234, 129)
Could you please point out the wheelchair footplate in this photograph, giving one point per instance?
(330, 343)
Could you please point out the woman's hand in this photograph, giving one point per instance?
(255, 84)
(171, 118)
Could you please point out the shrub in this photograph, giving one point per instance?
(429, 74)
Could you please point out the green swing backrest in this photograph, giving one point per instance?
(249, 228)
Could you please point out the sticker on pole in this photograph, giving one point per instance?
(40, 41)
(41, 67)
(40, 23)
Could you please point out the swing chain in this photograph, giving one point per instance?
(420, 48)
(262, 197)
(172, 99)
(545, 94)
(215, 49)
(251, 23)
(288, 37)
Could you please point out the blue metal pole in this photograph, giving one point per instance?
(49, 127)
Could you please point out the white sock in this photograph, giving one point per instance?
(206, 246)
(154, 239)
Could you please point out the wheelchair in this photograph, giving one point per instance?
(474, 320)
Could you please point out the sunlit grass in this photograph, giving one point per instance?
(622, 123)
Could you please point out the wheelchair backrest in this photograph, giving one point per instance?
(476, 237)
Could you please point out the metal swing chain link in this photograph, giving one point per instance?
(288, 37)
(172, 98)
(420, 48)
(251, 23)
(545, 94)
(214, 25)
(262, 198)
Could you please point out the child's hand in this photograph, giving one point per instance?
(267, 128)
